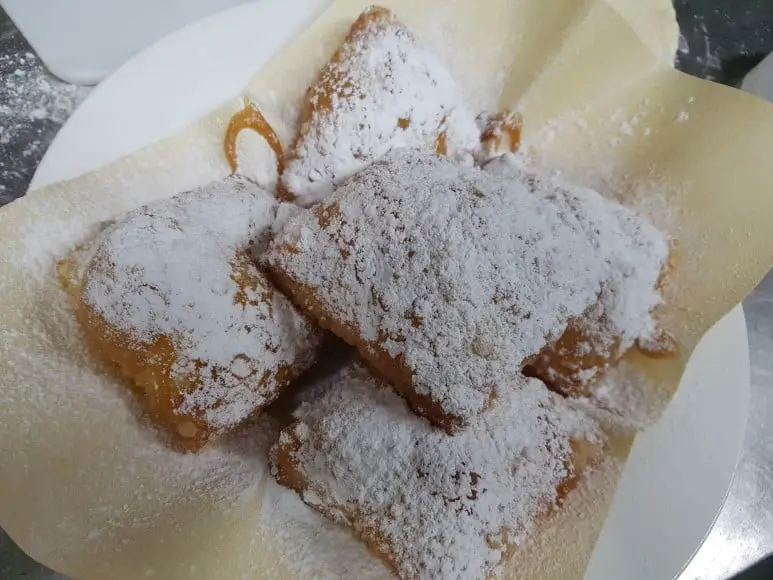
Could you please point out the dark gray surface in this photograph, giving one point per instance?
(721, 40)
(15, 565)
(33, 106)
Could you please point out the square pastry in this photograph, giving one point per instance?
(382, 89)
(450, 279)
(432, 505)
(170, 296)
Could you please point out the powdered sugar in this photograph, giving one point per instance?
(382, 90)
(636, 252)
(128, 484)
(120, 481)
(623, 396)
(438, 506)
(181, 268)
(462, 273)
(310, 545)
(228, 472)
(257, 161)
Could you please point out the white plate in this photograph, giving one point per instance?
(679, 471)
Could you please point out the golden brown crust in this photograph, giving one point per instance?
(350, 91)
(501, 133)
(147, 367)
(581, 356)
(250, 117)
(331, 82)
(569, 368)
(392, 370)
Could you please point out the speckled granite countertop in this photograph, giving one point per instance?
(721, 40)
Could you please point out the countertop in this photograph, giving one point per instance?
(721, 40)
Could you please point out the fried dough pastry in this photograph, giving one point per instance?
(619, 320)
(170, 296)
(449, 279)
(431, 505)
(500, 133)
(382, 89)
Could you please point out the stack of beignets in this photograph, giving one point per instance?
(456, 283)
(451, 281)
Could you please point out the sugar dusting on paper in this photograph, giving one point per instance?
(231, 471)
(150, 479)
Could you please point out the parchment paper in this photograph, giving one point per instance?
(87, 488)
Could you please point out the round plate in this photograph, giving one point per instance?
(679, 470)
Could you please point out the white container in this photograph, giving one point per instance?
(82, 41)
